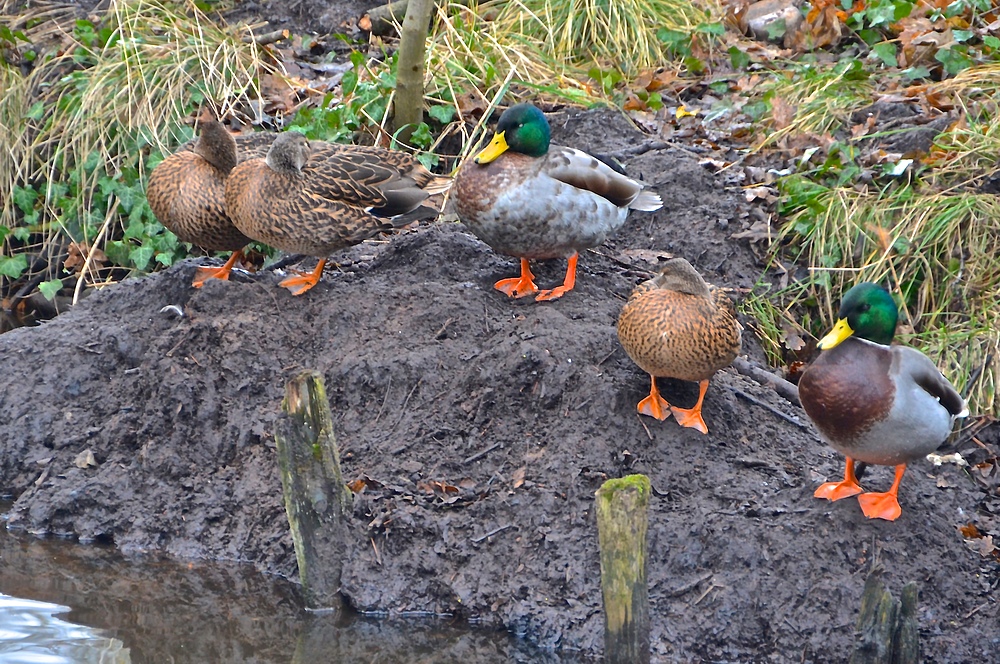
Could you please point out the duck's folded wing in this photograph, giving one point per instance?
(925, 374)
(581, 170)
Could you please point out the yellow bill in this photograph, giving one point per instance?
(839, 332)
(496, 148)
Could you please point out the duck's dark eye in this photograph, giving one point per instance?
(864, 307)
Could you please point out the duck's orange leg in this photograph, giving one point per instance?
(518, 286)
(203, 274)
(691, 417)
(303, 281)
(884, 505)
(654, 405)
(568, 282)
(837, 490)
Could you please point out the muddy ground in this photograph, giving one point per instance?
(481, 428)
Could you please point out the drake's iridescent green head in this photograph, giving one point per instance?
(868, 312)
(522, 128)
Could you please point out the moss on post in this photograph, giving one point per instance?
(622, 522)
(887, 628)
(316, 498)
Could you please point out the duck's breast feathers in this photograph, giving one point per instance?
(679, 335)
(848, 389)
(581, 170)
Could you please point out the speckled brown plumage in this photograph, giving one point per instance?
(676, 326)
(186, 191)
(316, 198)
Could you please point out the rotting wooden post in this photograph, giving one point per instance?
(906, 640)
(316, 498)
(622, 521)
(887, 628)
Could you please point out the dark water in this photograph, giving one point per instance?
(90, 604)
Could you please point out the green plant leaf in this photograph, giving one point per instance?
(24, 198)
(13, 266)
(442, 113)
(886, 52)
(738, 58)
(50, 288)
(140, 257)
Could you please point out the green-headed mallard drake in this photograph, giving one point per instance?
(532, 200)
(874, 402)
(186, 191)
(677, 326)
(316, 198)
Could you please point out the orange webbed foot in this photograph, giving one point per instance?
(518, 286)
(654, 405)
(689, 417)
(837, 490)
(203, 274)
(884, 505)
(303, 281)
(567, 284)
(880, 505)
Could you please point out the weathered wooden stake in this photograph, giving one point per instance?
(316, 498)
(887, 628)
(622, 521)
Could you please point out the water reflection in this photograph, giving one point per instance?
(30, 633)
(167, 611)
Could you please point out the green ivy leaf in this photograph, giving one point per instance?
(954, 59)
(24, 198)
(422, 136)
(13, 266)
(140, 257)
(738, 58)
(442, 113)
(50, 288)
(886, 52)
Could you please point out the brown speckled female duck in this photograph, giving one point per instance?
(186, 191)
(529, 199)
(316, 199)
(676, 326)
(875, 402)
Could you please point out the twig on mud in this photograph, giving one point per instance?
(712, 587)
(784, 389)
(378, 556)
(648, 432)
(440, 332)
(477, 540)
(769, 407)
(266, 38)
(384, 399)
(402, 409)
(481, 453)
(689, 586)
(608, 356)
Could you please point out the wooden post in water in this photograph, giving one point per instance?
(887, 630)
(622, 521)
(316, 498)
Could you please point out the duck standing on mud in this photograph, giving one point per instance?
(532, 200)
(677, 326)
(317, 198)
(186, 191)
(874, 402)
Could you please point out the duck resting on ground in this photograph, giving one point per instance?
(875, 402)
(532, 200)
(315, 198)
(186, 191)
(677, 326)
